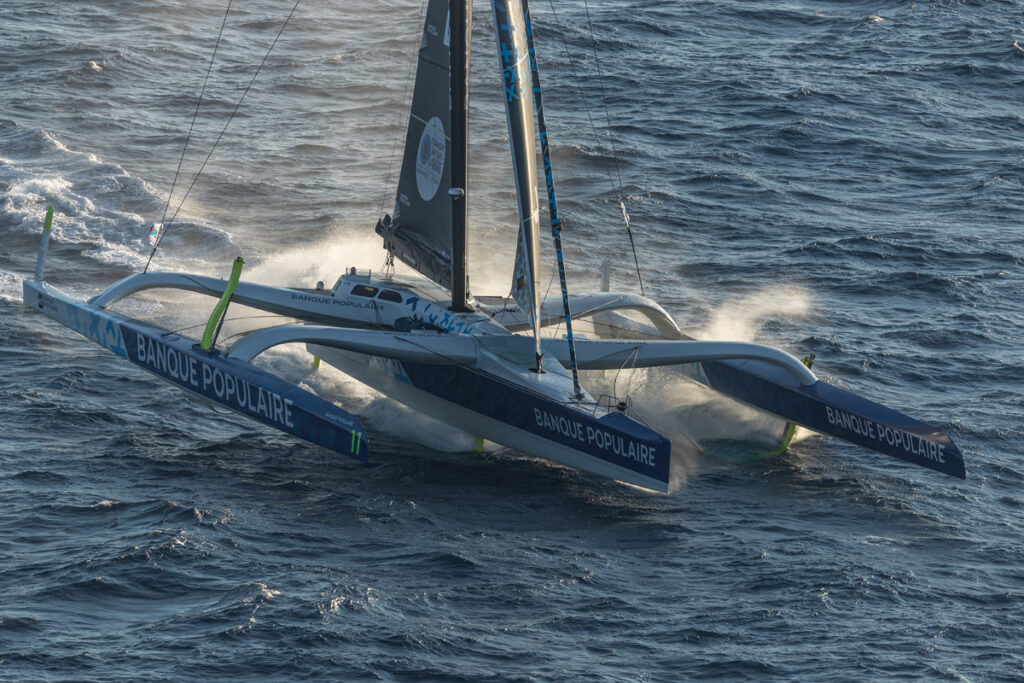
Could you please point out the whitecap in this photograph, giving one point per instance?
(10, 286)
(266, 592)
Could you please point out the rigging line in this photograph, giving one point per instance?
(611, 142)
(179, 330)
(576, 77)
(228, 122)
(556, 224)
(188, 138)
(406, 93)
(604, 99)
(630, 360)
(579, 87)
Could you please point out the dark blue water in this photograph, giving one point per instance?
(837, 178)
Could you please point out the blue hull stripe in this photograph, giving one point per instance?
(232, 383)
(245, 389)
(613, 438)
(830, 410)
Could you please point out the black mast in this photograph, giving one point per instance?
(460, 12)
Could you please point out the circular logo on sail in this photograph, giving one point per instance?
(430, 159)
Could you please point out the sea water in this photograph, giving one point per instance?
(838, 178)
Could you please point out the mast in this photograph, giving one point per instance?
(460, 12)
(556, 224)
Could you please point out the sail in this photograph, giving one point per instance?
(419, 230)
(513, 53)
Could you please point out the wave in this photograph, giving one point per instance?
(99, 208)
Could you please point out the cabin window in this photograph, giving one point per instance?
(388, 295)
(363, 290)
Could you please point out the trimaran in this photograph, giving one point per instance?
(480, 364)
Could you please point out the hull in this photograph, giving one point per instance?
(229, 382)
(490, 406)
(816, 405)
(827, 409)
(468, 371)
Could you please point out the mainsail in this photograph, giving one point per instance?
(513, 52)
(419, 230)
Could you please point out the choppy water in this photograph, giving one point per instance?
(842, 178)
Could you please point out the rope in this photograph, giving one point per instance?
(188, 137)
(611, 142)
(630, 361)
(226, 124)
(604, 99)
(620, 195)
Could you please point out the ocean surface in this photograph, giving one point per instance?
(837, 178)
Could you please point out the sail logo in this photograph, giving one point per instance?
(425, 150)
(511, 48)
(430, 159)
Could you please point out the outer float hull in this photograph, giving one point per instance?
(232, 383)
(827, 409)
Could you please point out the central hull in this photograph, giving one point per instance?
(489, 406)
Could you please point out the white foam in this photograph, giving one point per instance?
(742, 319)
(303, 266)
(709, 416)
(60, 146)
(77, 219)
(77, 185)
(266, 592)
(10, 286)
(389, 416)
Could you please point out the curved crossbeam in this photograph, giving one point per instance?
(589, 305)
(304, 304)
(612, 354)
(448, 349)
(159, 280)
(419, 347)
